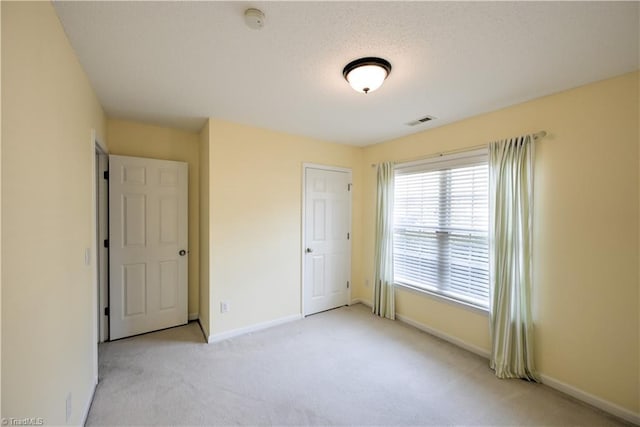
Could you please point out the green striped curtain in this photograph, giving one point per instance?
(511, 210)
(384, 303)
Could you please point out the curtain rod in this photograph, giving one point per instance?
(536, 136)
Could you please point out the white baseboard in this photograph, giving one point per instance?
(589, 398)
(193, 316)
(361, 301)
(87, 408)
(252, 328)
(204, 334)
(453, 340)
(432, 331)
(592, 400)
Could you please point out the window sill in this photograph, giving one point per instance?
(442, 298)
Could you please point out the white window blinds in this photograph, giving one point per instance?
(441, 226)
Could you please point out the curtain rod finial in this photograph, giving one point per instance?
(540, 134)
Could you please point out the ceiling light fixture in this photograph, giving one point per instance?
(366, 74)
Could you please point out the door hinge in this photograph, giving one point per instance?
(348, 236)
(105, 174)
(106, 243)
(106, 311)
(349, 187)
(347, 284)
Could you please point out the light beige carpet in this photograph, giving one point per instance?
(342, 367)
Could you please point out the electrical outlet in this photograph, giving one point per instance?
(366, 283)
(224, 306)
(68, 408)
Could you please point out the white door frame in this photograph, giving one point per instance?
(303, 242)
(95, 146)
(102, 234)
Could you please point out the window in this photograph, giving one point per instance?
(441, 221)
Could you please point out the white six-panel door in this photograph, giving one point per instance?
(327, 254)
(147, 245)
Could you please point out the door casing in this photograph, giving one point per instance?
(96, 149)
(102, 234)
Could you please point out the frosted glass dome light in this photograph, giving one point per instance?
(366, 74)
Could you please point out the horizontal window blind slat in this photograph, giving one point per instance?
(441, 227)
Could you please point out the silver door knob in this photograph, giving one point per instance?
(309, 250)
(182, 252)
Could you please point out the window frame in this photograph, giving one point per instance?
(439, 162)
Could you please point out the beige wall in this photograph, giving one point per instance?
(205, 235)
(48, 294)
(255, 190)
(135, 139)
(0, 219)
(586, 220)
(247, 228)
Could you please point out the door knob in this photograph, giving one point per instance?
(309, 250)
(182, 252)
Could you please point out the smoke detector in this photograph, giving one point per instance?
(254, 18)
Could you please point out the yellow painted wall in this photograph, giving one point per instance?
(48, 312)
(129, 138)
(255, 190)
(586, 224)
(248, 223)
(205, 235)
(0, 218)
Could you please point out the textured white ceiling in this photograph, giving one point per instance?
(176, 63)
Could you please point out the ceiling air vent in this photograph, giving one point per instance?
(425, 119)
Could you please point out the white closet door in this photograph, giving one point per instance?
(327, 255)
(147, 245)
